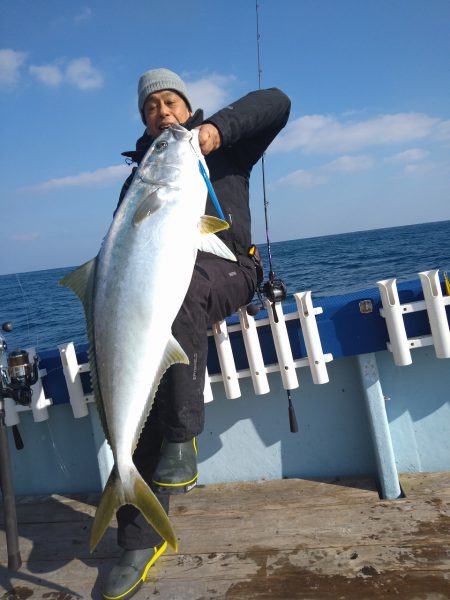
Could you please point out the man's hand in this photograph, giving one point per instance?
(208, 138)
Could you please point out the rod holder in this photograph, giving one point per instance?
(316, 358)
(71, 371)
(226, 360)
(253, 351)
(393, 314)
(437, 316)
(39, 403)
(11, 412)
(282, 346)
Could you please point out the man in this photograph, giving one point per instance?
(232, 140)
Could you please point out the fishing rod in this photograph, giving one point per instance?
(274, 288)
(16, 378)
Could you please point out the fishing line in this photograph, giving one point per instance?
(275, 288)
(27, 313)
(59, 459)
(265, 201)
(25, 306)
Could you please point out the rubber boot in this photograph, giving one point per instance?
(176, 472)
(129, 574)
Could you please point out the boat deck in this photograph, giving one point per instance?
(287, 539)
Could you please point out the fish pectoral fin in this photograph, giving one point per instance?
(147, 207)
(211, 243)
(210, 224)
(139, 495)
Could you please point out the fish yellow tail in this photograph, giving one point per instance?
(141, 496)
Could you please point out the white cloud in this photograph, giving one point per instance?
(84, 15)
(210, 93)
(78, 72)
(350, 163)
(10, 63)
(50, 75)
(83, 75)
(104, 176)
(302, 179)
(326, 134)
(419, 169)
(411, 155)
(321, 175)
(24, 237)
(443, 131)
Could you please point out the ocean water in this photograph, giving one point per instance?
(45, 314)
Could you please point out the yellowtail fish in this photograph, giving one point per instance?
(132, 292)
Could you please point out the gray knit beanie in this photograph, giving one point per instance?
(158, 80)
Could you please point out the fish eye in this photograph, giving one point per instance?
(161, 145)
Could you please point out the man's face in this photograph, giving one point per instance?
(162, 109)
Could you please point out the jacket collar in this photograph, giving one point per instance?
(145, 141)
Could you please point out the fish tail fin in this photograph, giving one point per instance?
(146, 501)
(109, 503)
(139, 495)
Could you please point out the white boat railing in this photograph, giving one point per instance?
(392, 311)
(286, 364)
(229, 375)
(434, 304)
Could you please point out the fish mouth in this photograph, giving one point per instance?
(163, 126)
(166, 126)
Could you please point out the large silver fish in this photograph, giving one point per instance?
(132, 292)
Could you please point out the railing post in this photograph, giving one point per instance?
(379, 426)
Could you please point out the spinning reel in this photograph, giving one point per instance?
(18, 374)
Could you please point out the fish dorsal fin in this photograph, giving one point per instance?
(210, 224)
(211, 243)
(81, 281)
(149, 205)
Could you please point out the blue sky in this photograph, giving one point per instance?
(367, 144)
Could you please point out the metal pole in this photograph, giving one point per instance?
(9, 503)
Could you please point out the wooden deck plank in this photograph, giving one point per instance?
(415, 485)
(281, 540)
(383, 522)
(265, 494)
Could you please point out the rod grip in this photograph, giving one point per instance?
(9, 501)
(292, 418)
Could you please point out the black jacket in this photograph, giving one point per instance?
(247, 127)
